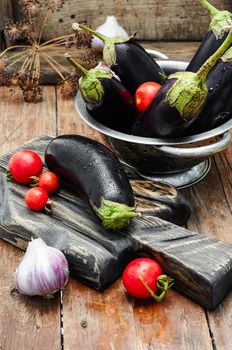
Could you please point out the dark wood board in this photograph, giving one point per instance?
(202, 267)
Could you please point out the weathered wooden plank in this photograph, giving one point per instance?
(174, 50)
(211, 200)
(112, 320)
(25, 323)
(98, 256)
(157, 20)
(6, 12)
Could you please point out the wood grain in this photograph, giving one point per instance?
(156, 20)
(179, 321)
(6, 12)
(185, 51)
(211, 200)
(25, 323)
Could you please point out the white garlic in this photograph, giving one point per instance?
(102, 66)
(112, 29)
(43, 270)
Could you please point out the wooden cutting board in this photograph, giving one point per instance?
(201, 267)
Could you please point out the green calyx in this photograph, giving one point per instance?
(109, 53)
(187, 95)
(163, 282)
(115, 216)
(9, 176)
(189, 92)
(219, 19)
(227, 57)
(90, 86)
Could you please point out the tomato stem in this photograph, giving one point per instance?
(34, 182)
(9, 176)
(48, 206)
(163, 283)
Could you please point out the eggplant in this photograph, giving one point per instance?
(178, 102)
(106, 99)
(218, 106)
(128, 60)
(96, 174)
(216, 35)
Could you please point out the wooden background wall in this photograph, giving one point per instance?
(151, 19)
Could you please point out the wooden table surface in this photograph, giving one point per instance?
(83, 318)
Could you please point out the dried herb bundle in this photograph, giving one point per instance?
(22, 67)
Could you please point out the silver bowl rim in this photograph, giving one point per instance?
(83, 113)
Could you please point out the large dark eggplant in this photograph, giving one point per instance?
(179, 101)
(218, 105)
(96, 173)
(214, 38)
(128, 60)
(107, 100)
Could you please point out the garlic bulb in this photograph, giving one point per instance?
(102, 66)
(112, 29)
(43, 270)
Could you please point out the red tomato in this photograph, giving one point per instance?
(24, 164)
(149, 270)
(48, 181)
(144, 95)
(36, 198)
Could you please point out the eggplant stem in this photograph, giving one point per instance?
(78, 27)
(74, 63)
(115, 216)
(163, 282)
(211, 61)
(209, 7)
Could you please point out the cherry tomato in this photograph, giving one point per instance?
(48, 181)
(36, 198)
(144, 95)
(24, 164)
(149, 270)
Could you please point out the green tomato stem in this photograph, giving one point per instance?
(9, 176)
(164, 283)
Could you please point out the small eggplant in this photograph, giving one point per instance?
(128, 60)
(96, 174)
(178, 102)
(214, 38)
(107, 100)
(218, 105)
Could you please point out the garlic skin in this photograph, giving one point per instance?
(110, 28)
(102, 66)
(43, 270)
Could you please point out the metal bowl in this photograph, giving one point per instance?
(179, 161)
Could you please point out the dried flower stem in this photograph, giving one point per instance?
(14, 47)
(52, 65)
(15, 61)
(56, 62)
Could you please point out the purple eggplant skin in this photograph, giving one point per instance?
(208, 46)
(94, 172)
(218, 31)
(117, 108)
(160, 119)
(218, 106)
(135, 66)
(106, 99)
(128, 59)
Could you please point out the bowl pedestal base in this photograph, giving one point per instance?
(181, 179)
